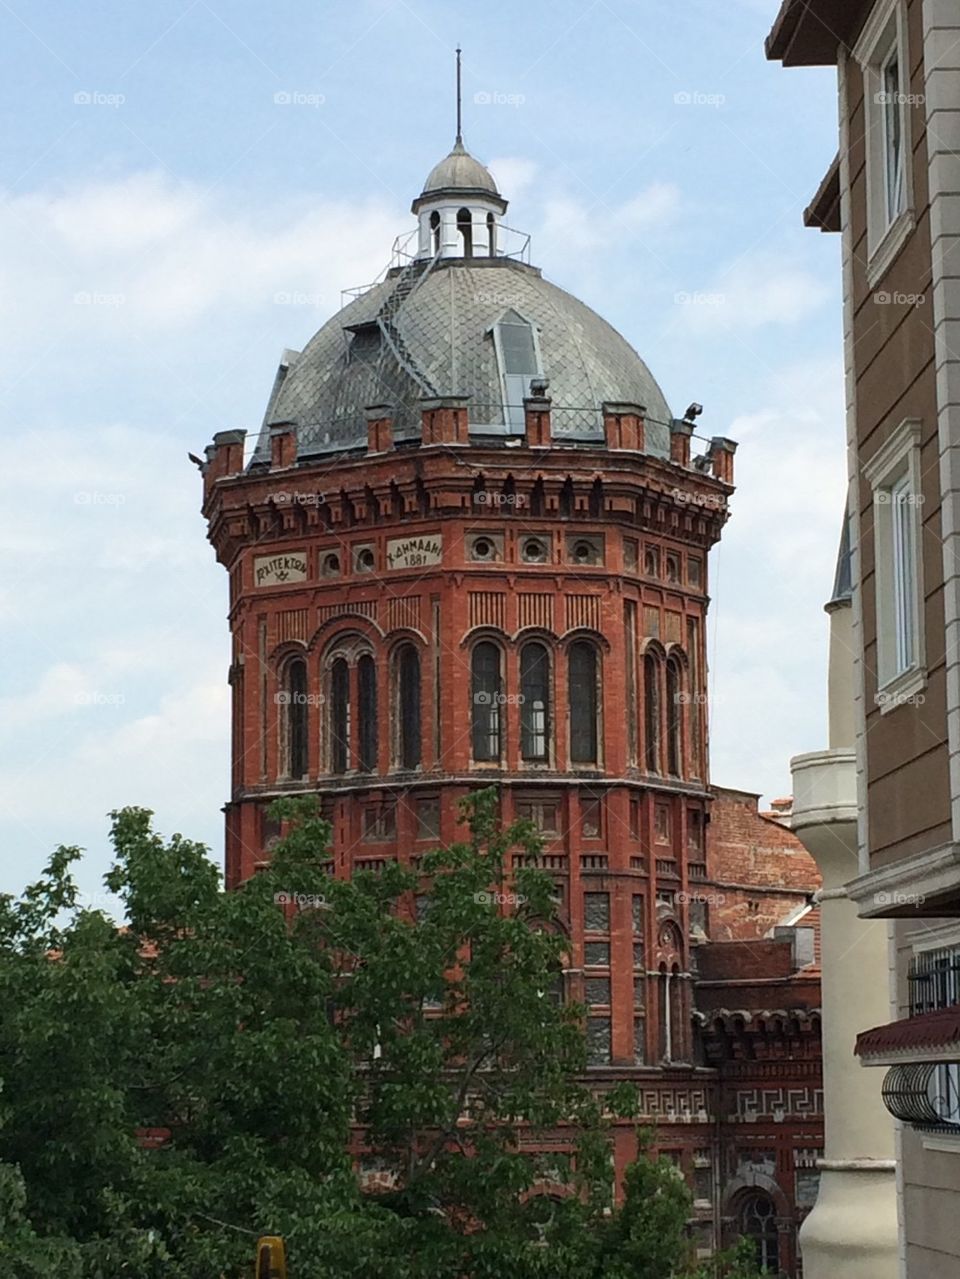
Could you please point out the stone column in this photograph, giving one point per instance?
(852, 1229)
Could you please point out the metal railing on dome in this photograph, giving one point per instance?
(510, 244)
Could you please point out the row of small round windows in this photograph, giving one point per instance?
(483, 548)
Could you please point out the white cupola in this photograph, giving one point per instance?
(459, 209)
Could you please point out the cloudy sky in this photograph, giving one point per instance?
(187, 185)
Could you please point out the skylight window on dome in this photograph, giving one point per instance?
(518, 356)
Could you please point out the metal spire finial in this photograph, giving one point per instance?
(459, 110)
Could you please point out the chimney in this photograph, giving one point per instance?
(623, 426)
(445, 420)
(537, 421)
(680, 432)
(379, 428)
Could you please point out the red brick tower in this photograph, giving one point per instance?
(470, 547)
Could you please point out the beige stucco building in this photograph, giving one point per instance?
(893, 193)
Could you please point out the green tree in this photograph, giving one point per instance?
(281, 1032)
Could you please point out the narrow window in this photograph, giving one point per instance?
(894, 190)
(491, 235)
(465, 227)
(487, 698)
(435, 231)
(339, 716)
(367, 695)
(408, 707)
(904, 585)
(296, 718)
(674, 717)
(651, 713)
(517, 352)
(758, 1222)
(534, 701)
(583, 703)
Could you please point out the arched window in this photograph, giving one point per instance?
(491, 235)
(295, 725)
(583, 703)
(486, 696)
(758, 1221)
(465, 227)
(339, 716)
(367, 697)
(408, 707)
(534, 702)
(651, 713)
(435, 231)
(674, 717)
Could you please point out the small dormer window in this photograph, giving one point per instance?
(519, 358)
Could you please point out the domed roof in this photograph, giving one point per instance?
(459, 171)
(441, 340)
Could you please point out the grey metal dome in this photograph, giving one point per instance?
(459, 171)
(432, 333)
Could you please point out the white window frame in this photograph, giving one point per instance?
(894, 476)
(884, 38)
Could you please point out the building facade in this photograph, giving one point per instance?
(893, 194)
(469, 548)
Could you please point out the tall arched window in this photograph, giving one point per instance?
(674, 717)
(758, 1221)
(582, 687)
(408, 707)
(651, 713)
(534, 702)
(435, 231)
(486, 698)
(465, 227)
(339, 716)
(491, 235)
(295, 719)
(367, 697)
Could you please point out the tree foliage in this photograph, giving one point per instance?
(285, 1038)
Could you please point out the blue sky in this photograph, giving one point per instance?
(172, 169)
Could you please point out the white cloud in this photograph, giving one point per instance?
(757, 290)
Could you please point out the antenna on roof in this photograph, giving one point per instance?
(459, 122)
